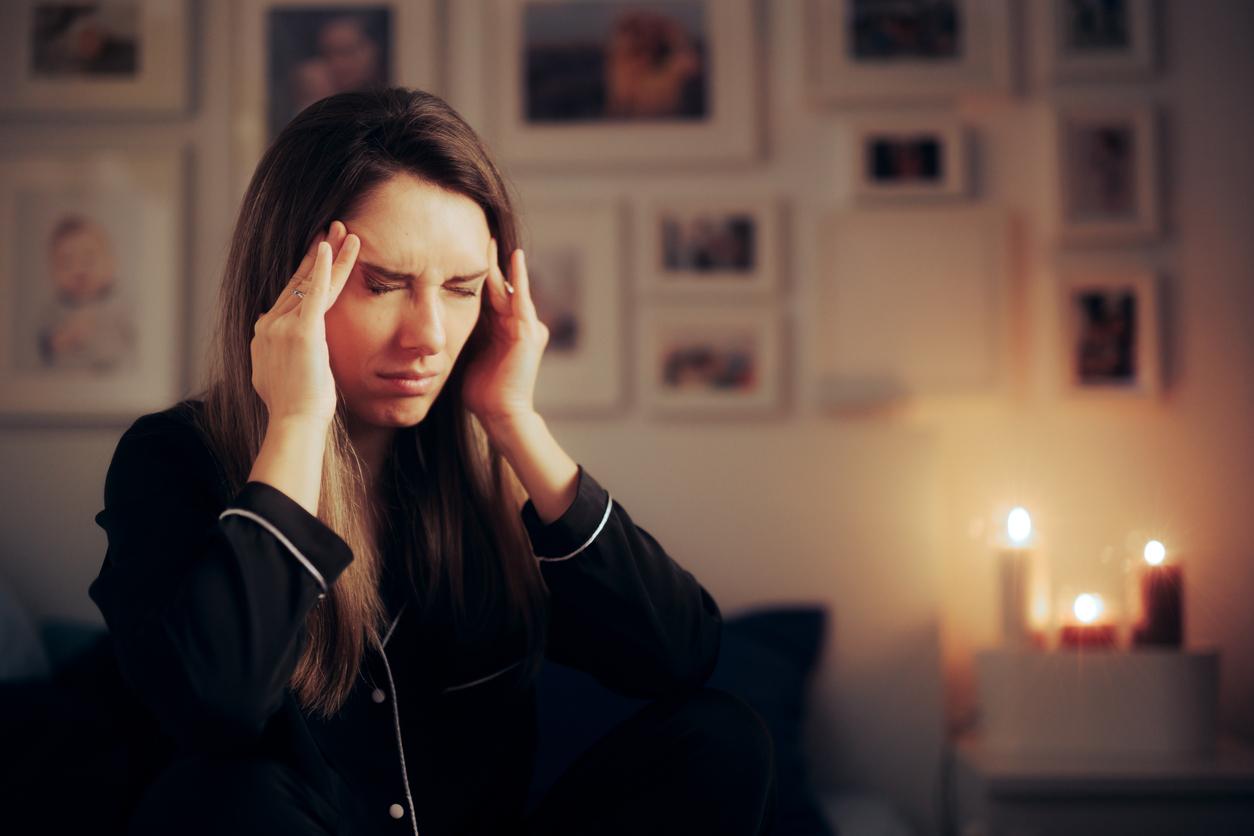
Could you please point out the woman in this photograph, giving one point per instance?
(320, 583)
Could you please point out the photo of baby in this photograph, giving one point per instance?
(86, 324)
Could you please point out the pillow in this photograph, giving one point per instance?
(765, 658)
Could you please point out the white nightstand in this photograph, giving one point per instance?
(998, 794)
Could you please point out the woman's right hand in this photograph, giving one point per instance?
(291, 362)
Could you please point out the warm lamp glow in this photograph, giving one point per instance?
(1155, 553)
(1087, 607)
(1019, 526)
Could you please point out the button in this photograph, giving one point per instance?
(396, 811)
(377, 695)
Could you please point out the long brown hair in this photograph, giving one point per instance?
(450, 498)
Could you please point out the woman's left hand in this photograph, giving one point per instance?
(500, 383)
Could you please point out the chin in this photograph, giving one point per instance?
(395, 412)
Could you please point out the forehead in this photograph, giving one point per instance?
(409, 225)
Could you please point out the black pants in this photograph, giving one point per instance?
(700, 763)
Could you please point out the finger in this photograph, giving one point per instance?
(319, 280)
(343, 268)
(522, 286)
(286, 298)
(498, 296)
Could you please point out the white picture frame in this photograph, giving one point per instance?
(527, 129)
(574, 261)
(1104, 45)
(139, 60)
(1108, 174)
(411, 57)
(911, 303)
(908, 157)
(90, 288)
(1098, 307)
(704, 360)
(707, 246)
(973, 58)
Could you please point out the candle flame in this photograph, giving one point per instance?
(1019, 525)
(1155, 553)
(1087, 607)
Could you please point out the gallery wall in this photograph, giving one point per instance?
(879, 507)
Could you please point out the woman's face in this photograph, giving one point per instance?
(412, 299)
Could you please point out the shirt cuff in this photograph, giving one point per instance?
(317, 547)
(575, 530)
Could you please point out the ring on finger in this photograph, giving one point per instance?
(296, 291)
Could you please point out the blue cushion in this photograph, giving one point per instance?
(765, 658)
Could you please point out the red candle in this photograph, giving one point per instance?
(1088, 634)
(1162, 604)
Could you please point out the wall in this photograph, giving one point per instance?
(870, 514)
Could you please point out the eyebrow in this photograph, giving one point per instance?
(397, 276)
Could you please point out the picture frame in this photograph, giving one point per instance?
(574, 262)
(894, 324)
(565, 103)
(91, 312)
(1110, 326)
(909, 158)
(95, 57)
(856, 55)
(1085, 40)
(710, 360)
(707, 247)
(1108, 174)
(292, 52)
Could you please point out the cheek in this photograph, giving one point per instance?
(461, 326)
(349, 337)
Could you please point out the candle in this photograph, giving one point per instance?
(1162, 609)
(1088, 633)
(1013, 568)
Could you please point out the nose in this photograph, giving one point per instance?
(421, 327)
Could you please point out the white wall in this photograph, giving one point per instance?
(872, 514)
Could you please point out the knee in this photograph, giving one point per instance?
(732, 732)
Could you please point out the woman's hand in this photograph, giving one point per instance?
(291, 363)
(500, 384)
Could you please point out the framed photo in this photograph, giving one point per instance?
(101, 56)
(605, 82)
(911, 303)
(909, 158)
(1110, 323)
(708, 246)
(1098, 40)
(574, 261)
(1108, 167)
(291, 53)
(710, 360)
(874, 51)
(89, 282)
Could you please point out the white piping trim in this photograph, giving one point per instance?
(395, 621)
(483, 678)
(400, 744)
(264, 523)
(609, 506)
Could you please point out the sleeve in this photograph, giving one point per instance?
(206, 605)
(620, 608)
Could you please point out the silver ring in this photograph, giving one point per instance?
(298, 292)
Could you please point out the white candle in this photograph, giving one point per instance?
(1013, 570)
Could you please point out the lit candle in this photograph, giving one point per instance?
(1162, 609)
(1013, 572)
(1088, 608)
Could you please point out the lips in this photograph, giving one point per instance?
(408, 375)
